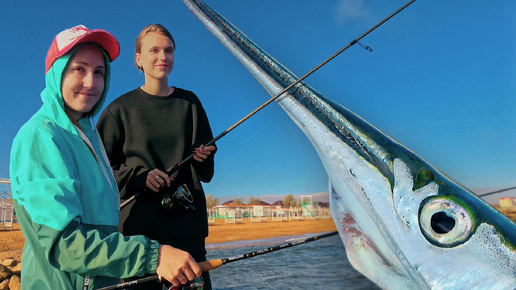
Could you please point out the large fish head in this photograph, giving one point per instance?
(404, 223)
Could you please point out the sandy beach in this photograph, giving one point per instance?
(220, 232)
(11, 242)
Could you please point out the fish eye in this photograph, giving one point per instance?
(445, 222)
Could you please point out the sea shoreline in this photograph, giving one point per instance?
(246, 231)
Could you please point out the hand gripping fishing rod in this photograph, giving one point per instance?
(217, 263)
(356, 40)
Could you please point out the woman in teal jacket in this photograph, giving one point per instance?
(66, 198)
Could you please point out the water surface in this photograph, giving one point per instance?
(321, 264)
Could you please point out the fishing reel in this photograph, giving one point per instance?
(181, 196)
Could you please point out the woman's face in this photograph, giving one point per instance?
(156, 56)
(83, 80)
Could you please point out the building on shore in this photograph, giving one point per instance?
(265, 212)
(507, 205)
(7, 217)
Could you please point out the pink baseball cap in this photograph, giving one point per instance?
(68, 38)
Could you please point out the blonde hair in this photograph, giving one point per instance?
(156, 28)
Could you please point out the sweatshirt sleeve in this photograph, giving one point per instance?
(51, 211)
(130, 179)
(203, 135)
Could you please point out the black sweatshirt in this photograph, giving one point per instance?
(142, 132)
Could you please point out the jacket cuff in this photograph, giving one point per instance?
(152, 257)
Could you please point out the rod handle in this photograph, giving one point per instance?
(210, 265)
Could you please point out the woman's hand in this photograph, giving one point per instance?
(176, 266)
(201, 153)
(157, 179)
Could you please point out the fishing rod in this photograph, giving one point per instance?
(224, 133)
(498, 191)
(217, 263)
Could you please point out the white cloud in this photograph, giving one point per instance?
(350, 9)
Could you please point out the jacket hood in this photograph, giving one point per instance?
(52, 97)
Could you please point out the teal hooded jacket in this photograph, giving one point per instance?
(67, 202)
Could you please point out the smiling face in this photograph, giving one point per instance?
(156, 57)
(83, 81)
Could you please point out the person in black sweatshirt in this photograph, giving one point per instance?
(146, 132)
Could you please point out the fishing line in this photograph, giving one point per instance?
(249, 138)
(277, 117)
(356, 40)
(217, 263)
(498, 191)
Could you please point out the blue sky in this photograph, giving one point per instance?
(440, 79)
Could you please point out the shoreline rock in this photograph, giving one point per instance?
(10, 270)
